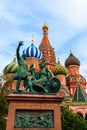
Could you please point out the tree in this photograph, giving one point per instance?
(72, 121)
(4, 91)
(3, 111)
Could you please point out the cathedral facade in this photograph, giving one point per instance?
(73, 84)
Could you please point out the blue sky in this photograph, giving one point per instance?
(67, 21)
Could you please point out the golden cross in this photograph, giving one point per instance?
(70, 51)
(32, 38)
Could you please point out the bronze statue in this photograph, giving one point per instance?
(32, 72)
(42, 81)
(22, 73)
(42, 78)
(45, 82)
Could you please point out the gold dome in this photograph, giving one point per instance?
(45, 26)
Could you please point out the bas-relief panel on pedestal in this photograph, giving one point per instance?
(34, 119)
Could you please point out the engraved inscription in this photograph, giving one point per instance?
(34, 105)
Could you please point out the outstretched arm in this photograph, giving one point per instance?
(18, 48)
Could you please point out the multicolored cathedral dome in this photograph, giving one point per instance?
(72, 60)
(12, 67)
(45, 26)
(59, 69)
(33, 51)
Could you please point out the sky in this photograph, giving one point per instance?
(66, 19)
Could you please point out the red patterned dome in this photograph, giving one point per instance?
(72, 60)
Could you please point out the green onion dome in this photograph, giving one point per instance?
(59, 69)
(12, 67)
(72, 60)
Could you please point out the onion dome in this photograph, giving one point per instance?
(59, 69)
(12, 67)
(45, 26)
(33, 51)
(72, 60)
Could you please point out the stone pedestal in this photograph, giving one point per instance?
(34, 111)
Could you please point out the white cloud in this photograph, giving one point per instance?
(73, 11)
(67, 20)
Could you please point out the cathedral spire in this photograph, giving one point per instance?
(48, 54)
(45, 40)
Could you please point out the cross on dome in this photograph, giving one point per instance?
(70, 51)
(32, 39)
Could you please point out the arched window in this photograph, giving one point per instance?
(73, 79)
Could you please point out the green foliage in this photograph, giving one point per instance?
(2, 123)
(5, 90)
(3, 111)
(3, 106)
(72, 121)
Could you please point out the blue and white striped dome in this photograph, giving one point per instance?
(33, 51)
